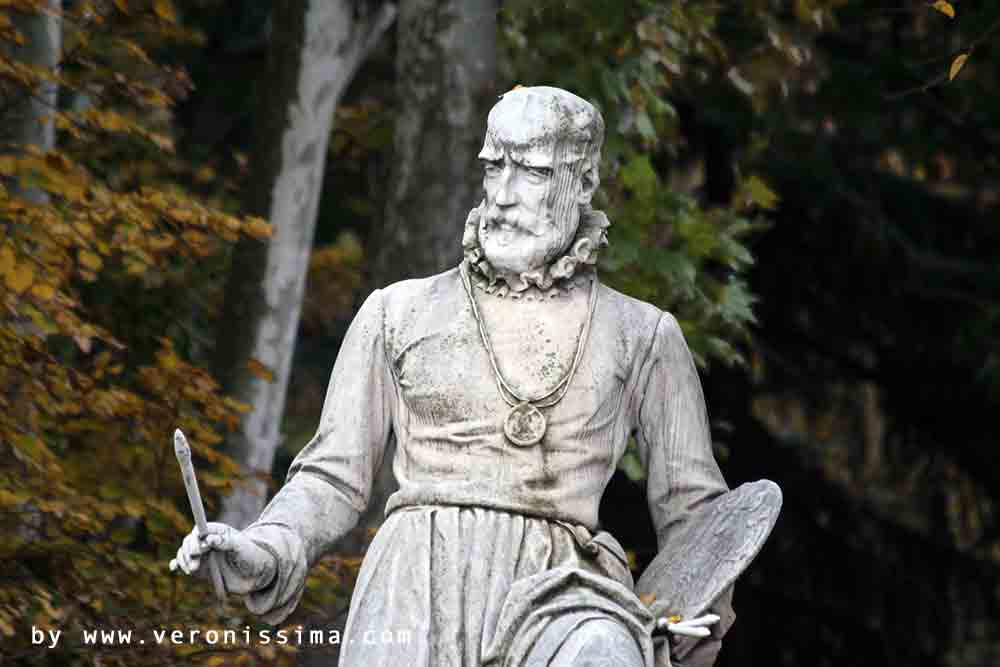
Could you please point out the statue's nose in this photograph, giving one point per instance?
(506, 195)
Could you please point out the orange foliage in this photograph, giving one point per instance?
(93, 379)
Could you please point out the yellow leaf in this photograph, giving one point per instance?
(165, 10)
(90, 260)
(20, 277)
(158, 243)
(134, 267)
(109, 121)
(102, 360)
(260, 370)
(200, 243)
(7, 260)
(136, 51)
(43, 291)
(205, 175)
(85, 229)
(754, 190)
(168, 360)
(162, 142)
(183, 215)
(945, 8)
(258, 227)
(957, 64)
(122, 6)
(11, 499)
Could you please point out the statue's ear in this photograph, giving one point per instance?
(589, 180)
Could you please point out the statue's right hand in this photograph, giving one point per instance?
(245, 566)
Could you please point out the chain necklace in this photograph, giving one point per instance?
(525, 425)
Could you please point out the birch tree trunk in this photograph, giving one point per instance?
(28, 120)
(316, 47)
(446, 82)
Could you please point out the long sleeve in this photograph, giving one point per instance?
(672, 433)
(675, 446)
(329, 483)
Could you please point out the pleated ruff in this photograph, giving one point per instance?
(435, 578)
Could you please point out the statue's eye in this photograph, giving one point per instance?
(540, 173)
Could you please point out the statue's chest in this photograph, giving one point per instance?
(445, 370)
(533, 343)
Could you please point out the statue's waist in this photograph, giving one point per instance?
(594, 543)
(552, 507)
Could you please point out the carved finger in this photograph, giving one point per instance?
(212, 542)
(182, 561)
(192, 544)
(189, 555)
(688, 630)
(700, 622)
(223, 540)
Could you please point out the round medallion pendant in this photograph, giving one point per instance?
(525, 425)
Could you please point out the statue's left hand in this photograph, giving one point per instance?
(690, 634)
(695, 627)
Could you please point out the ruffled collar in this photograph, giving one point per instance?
(575, 267)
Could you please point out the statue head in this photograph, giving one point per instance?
(541, 157)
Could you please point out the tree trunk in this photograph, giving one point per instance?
(317, 45)
(28, 121)
(446, 82)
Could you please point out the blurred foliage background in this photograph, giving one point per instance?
(811, 186)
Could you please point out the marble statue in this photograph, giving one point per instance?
(511, 385)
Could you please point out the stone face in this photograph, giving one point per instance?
(511, 389)
(541, 154)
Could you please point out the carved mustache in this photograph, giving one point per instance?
(495, 218)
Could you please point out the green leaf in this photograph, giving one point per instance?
(645, 126)
(620, 254)
(733, 253)
(723, 351)
(736, 304)
(755, 190)
(632, 466)
(661, 107)
(700, 237)
(639, 177)
(677, 266)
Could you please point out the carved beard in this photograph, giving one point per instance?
(562, 273)
(508, 228)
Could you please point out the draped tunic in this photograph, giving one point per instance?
(475, 515)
